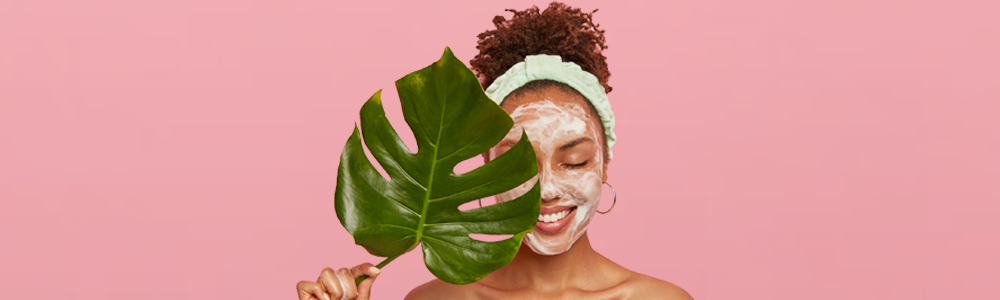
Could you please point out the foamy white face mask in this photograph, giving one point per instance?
(549, 126)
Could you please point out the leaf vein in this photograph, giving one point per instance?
(468, 190)
(462, 148)
(397, 226)
(434, 161)
(470, 223)
(407, 208)
(452, 245)
(404, 171)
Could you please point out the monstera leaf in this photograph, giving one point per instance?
(452, 120)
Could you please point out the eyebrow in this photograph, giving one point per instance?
(575, 142)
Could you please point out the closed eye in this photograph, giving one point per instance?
(577, 165)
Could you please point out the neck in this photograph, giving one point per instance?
(530, 270)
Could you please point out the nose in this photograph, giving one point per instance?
(550, 190)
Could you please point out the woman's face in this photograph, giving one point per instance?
(568, 142)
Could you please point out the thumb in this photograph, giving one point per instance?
(365, 287)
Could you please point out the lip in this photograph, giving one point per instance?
(553, 227)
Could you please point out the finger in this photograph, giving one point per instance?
(328, 279)
(309, 290)
(347, 282)
(365, 269)
(365, 287)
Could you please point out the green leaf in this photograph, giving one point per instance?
(452, 120)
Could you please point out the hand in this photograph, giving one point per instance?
(338, 285)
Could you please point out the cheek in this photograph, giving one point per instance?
(590, 189)
(586, 182)
(584, 185)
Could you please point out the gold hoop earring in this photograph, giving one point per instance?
(613, 200)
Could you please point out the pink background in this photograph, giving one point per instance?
(768, 150)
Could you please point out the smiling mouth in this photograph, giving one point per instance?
(554, 222)
(556, 216)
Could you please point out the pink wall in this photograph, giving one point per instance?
(774, 150)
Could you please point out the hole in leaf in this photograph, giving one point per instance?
(490, 237)
(469, 164)
(515, 192)
(523, 188)
(394, 113)
(372, 160)
(474, 204)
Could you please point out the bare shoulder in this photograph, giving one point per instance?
(647, 287)
(437, 289)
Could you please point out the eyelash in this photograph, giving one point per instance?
(576, 165)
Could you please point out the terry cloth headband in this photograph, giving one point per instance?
(551, 67)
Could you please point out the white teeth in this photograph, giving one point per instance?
(553, 217)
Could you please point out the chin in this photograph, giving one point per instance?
(543, 246)
(551, 244)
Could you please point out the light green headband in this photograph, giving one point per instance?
(551, 67)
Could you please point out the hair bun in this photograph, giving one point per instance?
(558, 30)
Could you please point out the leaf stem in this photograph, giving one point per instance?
(379, 265)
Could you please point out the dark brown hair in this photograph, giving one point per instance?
(559, 30)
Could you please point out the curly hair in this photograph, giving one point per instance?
(559, 30)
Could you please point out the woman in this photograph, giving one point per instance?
(547, 71)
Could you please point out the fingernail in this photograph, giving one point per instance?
(327, 296)
(374, 270)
